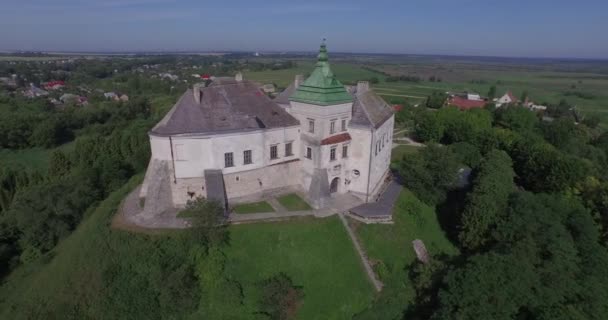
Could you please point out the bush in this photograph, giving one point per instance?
(279, 299)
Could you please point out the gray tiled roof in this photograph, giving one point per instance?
(226, 105)
(369, 109)
(283, 97)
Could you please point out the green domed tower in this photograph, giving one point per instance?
(322, 88)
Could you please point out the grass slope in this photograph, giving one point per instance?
(316, 253)
(102, 273)
(390, 246)
(399, 152)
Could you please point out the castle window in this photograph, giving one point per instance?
(344, 151)
(311, 125)
(332, 126)
(228, 160)
(332, 154)
(274, 152)
(308, 152)
(288, 151)
(343, 124)
(247, 157)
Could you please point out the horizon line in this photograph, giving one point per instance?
(274, 52)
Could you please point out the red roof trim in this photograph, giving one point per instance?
(336, 139)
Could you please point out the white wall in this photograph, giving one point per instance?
(359, 160)
(381, 161)
(193, 154)
(322, 116)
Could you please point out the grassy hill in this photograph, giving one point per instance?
(102, 273)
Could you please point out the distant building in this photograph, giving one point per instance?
(53, 85)
(474, 96)
(466, 101)
(111, 96)
(268, 88)
(507, 98)
(34, 92)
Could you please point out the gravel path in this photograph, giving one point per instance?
(368, 268)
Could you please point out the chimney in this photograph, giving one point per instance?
(238, 77)
(362, 86)
(299, 80)
(196, 90)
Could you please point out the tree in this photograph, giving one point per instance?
(59, 164)
(544, 264)
(430, 173)
(428, 127)
(492, 93)
(488, 200)
(208, 221)
(279, 298)
(516, 118)
(524, 96)
(436, 100)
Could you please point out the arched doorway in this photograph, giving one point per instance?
(333, 187)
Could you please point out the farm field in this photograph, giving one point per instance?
(580, 86)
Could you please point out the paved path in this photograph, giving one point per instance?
(276, 205)
(409, 142)
(368, 268)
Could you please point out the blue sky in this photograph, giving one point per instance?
(533, 28)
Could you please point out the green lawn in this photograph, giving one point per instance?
(254, 207)
(316, 253)
(399, 152)
(293, 202)
(390, 246)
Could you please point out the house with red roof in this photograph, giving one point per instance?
(463, 103)
(53, 85)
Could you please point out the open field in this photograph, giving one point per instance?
(345, 72)
(316, 253)
(22, 58)
(582, 84)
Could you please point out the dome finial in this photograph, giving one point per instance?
(323, 52)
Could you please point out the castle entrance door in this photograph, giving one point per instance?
(333, 187)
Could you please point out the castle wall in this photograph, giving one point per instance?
(258, 181)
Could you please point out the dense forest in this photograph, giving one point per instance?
(531, 225)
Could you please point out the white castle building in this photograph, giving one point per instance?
(229, 141)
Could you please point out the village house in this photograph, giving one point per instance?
(34, 92)
(465, 101)
(53, 85)
(507, 98)
(228, 141)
